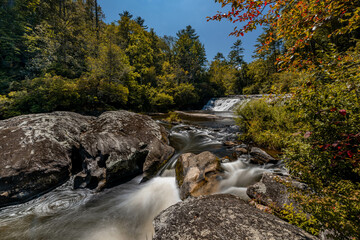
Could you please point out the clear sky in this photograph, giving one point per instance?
(167, 17)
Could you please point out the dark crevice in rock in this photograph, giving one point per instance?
(127, 170)
(93, 182)
(76, 160)
(143, 146)
(102, 159)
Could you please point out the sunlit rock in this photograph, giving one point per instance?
(222, 217)
(40, 151)
(198, 175)
(36, 153)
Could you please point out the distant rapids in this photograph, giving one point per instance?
(225, 104)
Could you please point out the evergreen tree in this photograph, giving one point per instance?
(235, 55)
(189, 53)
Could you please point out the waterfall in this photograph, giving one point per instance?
(229, 103)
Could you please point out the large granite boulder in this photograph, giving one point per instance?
(120, 145)
(272, 191)
(222, 217)
(41, 151)
(197, 175)
(36, 153)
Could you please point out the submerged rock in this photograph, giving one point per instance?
(36, 153)
(40, 151)
(222, 217)
(241, 150)
(259, 156)
(197, 175)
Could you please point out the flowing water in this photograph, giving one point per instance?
(126, 212)
(229, 103)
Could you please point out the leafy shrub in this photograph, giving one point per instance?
(162, 101)
(327, 156)
(185, 95)
(300, 219)
(267, 124)
(173, 117)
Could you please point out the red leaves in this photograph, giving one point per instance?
(350, 154)
(342, 112)
(345, 149)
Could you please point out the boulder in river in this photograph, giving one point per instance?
(222, 217)
(39, 152)
(271, 192)
(197, 175)
(36, 153)
(259, 156)
(120, 145)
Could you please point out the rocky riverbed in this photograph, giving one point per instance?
(93, 155)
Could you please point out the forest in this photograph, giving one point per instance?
(61, 55)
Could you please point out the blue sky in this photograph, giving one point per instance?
(167, 17)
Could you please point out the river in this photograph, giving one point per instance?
(126, 212)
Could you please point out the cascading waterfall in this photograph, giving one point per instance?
(230, 103)
(126, 212)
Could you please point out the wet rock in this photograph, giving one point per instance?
(196, 116)
(259, 156)
(120, 145)
(230, 143)
(222, 217)
(36, 153)
(197, 175)
(271, 192)
(241, 150)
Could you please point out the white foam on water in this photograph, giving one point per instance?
(238, 176)
(137, 212)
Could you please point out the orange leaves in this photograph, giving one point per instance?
(298, 20)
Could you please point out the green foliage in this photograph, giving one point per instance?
(268, 124)
(173, 117)
(189, 54)
(330, 163)
(65, 46)
(235, 55)
(261, 78)
(322, 46)
(43, 95)
(162, 101)
(222, 77)
(301, 219)
(185, 95)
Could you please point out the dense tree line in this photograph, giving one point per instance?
(61, 55)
